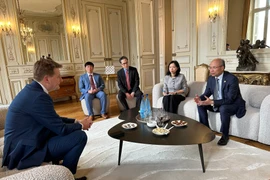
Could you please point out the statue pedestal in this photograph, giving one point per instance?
(253, 77)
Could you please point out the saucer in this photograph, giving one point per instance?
(179, 123)
(129, 125)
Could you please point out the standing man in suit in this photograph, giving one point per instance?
(227, 99)
(34, 132)
(91, 86)
(128, 83)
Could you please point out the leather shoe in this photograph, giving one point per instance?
(91, 118)
(223, 140)
(104, 116)
(81, 178)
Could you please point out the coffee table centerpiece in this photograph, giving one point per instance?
(159, 115)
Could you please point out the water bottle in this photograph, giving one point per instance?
(147, 106)
(142, 108)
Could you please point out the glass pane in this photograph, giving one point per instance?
(268, 31)
(258, 26)
(259, 3)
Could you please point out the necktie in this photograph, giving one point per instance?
(93, 86)
(127, 79)
(216, 91)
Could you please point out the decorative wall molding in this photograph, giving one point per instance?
(146, 28)
(13, 71)
(182, 26)
(10, 53)
(79, 67)
(27, 70)
(72, 13)
(213, 41)
(3, 8)
(16, 87)
(67, 67)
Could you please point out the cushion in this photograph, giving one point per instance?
(256, 98)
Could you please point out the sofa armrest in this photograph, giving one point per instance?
(156, 94)
(3, 113)
(264, 133)
(56, 172)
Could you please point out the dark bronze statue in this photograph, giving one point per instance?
(259, 44)
(246, 60)
(263, 45)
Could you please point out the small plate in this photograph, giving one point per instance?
(179, 123)
(160, 131)
(129, 125)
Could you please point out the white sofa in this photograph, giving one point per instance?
(44, 172)
(255, 125)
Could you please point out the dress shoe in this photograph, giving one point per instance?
(56, 162)
(91, 118)
(223, 140)
(81, 178)
(104, 116)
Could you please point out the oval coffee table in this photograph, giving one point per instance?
(193, 133)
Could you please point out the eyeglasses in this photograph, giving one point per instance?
(213, 67)
(124, 63)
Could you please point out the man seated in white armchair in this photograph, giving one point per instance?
(91, 86)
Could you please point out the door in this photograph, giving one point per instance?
(147, 48)
(184, 36)
(49, 45)
(106, 40)
(105, 29)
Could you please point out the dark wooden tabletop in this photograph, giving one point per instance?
(193, 133)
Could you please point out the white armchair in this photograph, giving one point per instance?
(131, 103)
(96, 106)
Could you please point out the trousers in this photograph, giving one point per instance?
(67, 148)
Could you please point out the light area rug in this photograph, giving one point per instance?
(155, 162)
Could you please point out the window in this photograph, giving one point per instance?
(259, 24)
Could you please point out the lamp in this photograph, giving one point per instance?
(31, 49)
(213, 12)
(76, 31)
(6, 27)
(25, 31)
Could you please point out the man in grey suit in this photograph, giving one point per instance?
(91, 86)
(128, 83)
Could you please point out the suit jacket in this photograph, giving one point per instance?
(230, 92)
(133, 79)
(30, 122)
(84, 83)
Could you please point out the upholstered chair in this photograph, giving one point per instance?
(131, 102)
(96, 106)
(201, 72)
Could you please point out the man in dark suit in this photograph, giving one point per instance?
(91, 86)
(128, 83)
(227, 98)
(34, 132)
